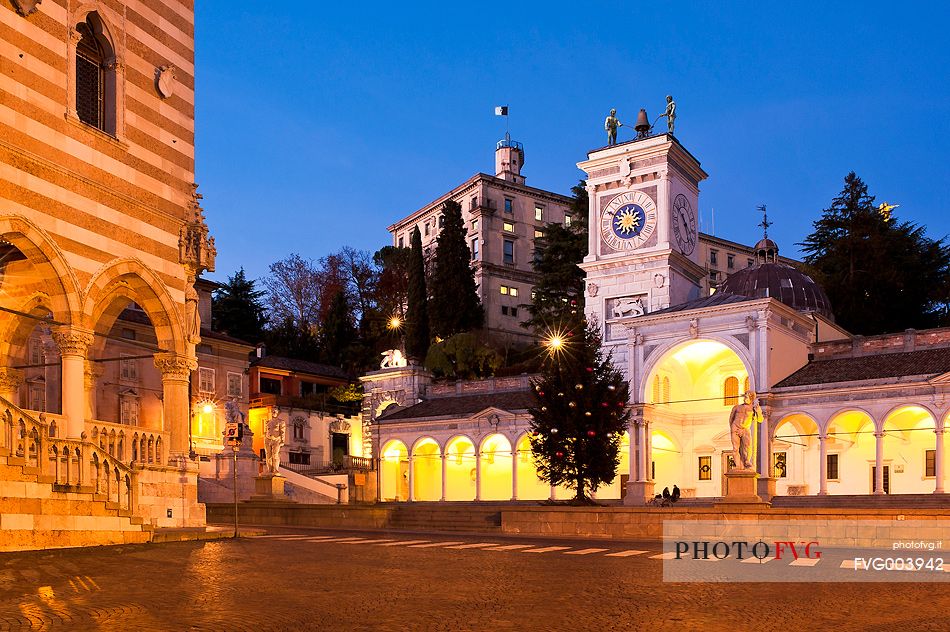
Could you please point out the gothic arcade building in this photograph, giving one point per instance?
(843, 415)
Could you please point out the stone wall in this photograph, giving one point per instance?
(908, 340)
(647, 523)
(290, 514)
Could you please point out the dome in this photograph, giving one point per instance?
(781, 282)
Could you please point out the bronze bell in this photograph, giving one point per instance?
(643, 126)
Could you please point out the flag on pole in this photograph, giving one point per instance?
(501, 110)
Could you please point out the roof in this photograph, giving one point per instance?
(713, 300)
(463, 405)
(925, 362)
(217, 335)
(300, 366)
(782, 282)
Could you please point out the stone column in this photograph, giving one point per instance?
(823, 464)
(938, 461)
(93, 371)
(642, 456)
(633, 431)
(445, 474)
(514, 474)
(176, 370)
(412, 491)
(10, 381)
(478, 475)
(879, 463)
(54, 389)
(73, 343)
(553, 495)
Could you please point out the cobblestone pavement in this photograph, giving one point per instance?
(299, 579)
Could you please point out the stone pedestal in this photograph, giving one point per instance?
(741, 490)
(639, 493)
(766, 488)
(270, 487)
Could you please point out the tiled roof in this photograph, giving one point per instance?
(462, 405)
(719, 298)
(300, 366)
(217, 335)
(928, 362)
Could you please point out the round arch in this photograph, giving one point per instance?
(796, 455)
(530, 487)
(394, 471)
(426, 469)
(460, 468)
(129, 279)
(662, 353)
(496, 457)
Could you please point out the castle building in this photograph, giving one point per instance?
(504, 218)
(98, 212)
(841, 415)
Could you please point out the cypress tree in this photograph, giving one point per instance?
(237, 309)
(454, 306)
(417, 312)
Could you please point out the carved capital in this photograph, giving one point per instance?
(72, 341)
(174, 366)
(10, 379)
(26, 7)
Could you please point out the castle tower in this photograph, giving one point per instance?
(509, 157)
(643, 255)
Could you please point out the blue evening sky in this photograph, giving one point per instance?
(319, 124)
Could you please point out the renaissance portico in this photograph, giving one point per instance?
(841, 415)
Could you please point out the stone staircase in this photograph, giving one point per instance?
(881, 501)
(61, 492)
(470, 518)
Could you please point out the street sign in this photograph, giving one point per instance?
(233, 433)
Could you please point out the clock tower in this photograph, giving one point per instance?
(643, 253)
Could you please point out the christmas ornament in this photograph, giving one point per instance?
(558, 454)
(572, 404)
(591, 433)
(604, 404)
(587, 413)
(553, 430)
(590, 369)
(579, 387)
(544, 409)
(611, 387)
(560, 394)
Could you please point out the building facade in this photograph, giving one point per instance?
(99, 212)
(840, 414)
(504, 219)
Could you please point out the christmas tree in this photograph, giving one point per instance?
(580, 414)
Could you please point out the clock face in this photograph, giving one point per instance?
(628, 220)
(684, 224)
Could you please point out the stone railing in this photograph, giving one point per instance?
(128, 443)
(68, 464)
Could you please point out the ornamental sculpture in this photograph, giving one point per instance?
(26, 7)
(196, 250)
(742, 423)
(274, 441)
(392, 358)
(611, 123)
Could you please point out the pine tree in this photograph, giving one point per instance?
(579, 415)
(880, 274)
(557, 301)
(454, 306)
(417, 312)
(236, 309)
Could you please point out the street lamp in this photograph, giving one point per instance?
(395, 323)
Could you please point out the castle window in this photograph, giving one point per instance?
(714, 257)
(475, 249)
(509, 251)
(730, 261)
(567, 221)
(508, 205)
(509, 227)
(730, 391)
(538, 234)
(206, 380)
(539, 212)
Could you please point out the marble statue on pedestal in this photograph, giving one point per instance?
(742, 421)
(274, 441)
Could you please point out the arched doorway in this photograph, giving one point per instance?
(796, 456)
(909, 450)
(426, 470)
(394, 471)
(460, 469)
(495, 468)
(530, 487)
(692, 388)
(851, 447)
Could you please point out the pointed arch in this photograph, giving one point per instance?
(130, 279)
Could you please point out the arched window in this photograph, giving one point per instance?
(730, 391)
(656, 389)
(745, 385)
(666, 390)
(96, 82)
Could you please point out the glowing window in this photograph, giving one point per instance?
(567, 221)
(504, 289)
(730, 391)
(509, 227)
(539, 212)
(666, 390)
(930, 463)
